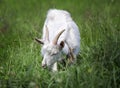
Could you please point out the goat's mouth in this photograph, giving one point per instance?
(45, 66)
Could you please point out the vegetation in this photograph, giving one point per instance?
(98, 64)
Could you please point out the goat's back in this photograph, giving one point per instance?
(58, 20)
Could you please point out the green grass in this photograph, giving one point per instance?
(98, 61)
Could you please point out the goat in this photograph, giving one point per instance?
(60, 35)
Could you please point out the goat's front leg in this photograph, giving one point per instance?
(54, 67)
(71, 57)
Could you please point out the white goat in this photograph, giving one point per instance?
(60, 35)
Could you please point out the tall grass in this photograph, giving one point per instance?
(98, 61)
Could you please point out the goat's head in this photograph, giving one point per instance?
(51, 51)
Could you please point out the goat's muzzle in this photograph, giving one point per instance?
(44, 66)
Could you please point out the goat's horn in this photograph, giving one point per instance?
(57, 37)
(47, 34)
(39, 41)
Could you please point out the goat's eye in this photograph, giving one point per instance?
(53, 54)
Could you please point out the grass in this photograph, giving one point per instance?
(98, 61)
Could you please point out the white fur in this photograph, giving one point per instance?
(56, 21)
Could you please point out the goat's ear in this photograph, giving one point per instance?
(62, 44)
(39, 41)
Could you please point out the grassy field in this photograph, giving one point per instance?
(98, 64)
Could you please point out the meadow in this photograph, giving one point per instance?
(98, 64)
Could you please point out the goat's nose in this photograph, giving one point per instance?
(44, 65)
